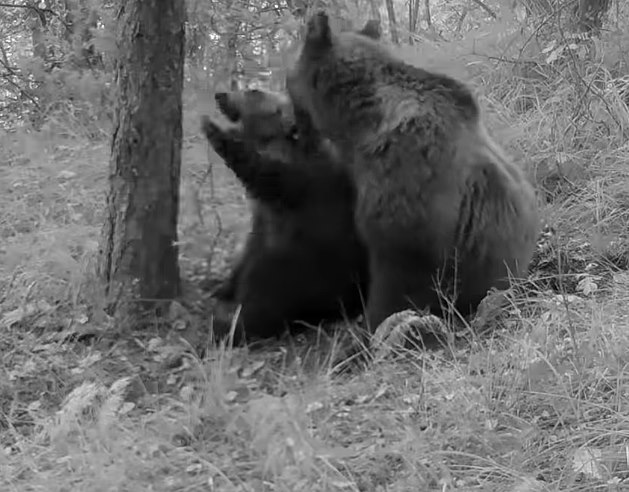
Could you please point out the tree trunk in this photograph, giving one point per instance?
(37, 24)
(139, 254)
(81, 19)
(413, 18)
(392, 22)
(375, 11)
(232, 71)
(427, 14)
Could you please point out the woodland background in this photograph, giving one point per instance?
(539, 403)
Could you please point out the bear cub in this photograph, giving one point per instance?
(267, 124)
(304, 261)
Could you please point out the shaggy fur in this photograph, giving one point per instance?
(439, 204)
(310, 264)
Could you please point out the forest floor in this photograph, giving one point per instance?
(540, 404)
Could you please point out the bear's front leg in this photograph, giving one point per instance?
(224, 140)
(399, 281)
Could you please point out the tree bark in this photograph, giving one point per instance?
(138, 253)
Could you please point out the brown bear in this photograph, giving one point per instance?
(440, 207)
(267, 120)
(309, 264)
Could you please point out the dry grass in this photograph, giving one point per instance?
(538, 405)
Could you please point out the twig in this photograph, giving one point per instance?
(40, 12)
(485, 8)
(13, 73)
(217, 217)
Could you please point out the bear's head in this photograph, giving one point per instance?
(331, 67)
(263, 116)
(320, 37)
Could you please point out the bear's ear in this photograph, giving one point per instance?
(318, 33)
(371, 30)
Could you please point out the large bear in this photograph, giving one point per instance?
(308, 263)
(440, 207)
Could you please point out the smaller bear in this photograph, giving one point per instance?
(440, 207)
(267, 122)
(310, 264)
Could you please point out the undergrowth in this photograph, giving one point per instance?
(537, 404)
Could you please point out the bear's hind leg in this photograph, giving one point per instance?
(285, 285)
(398, 284)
